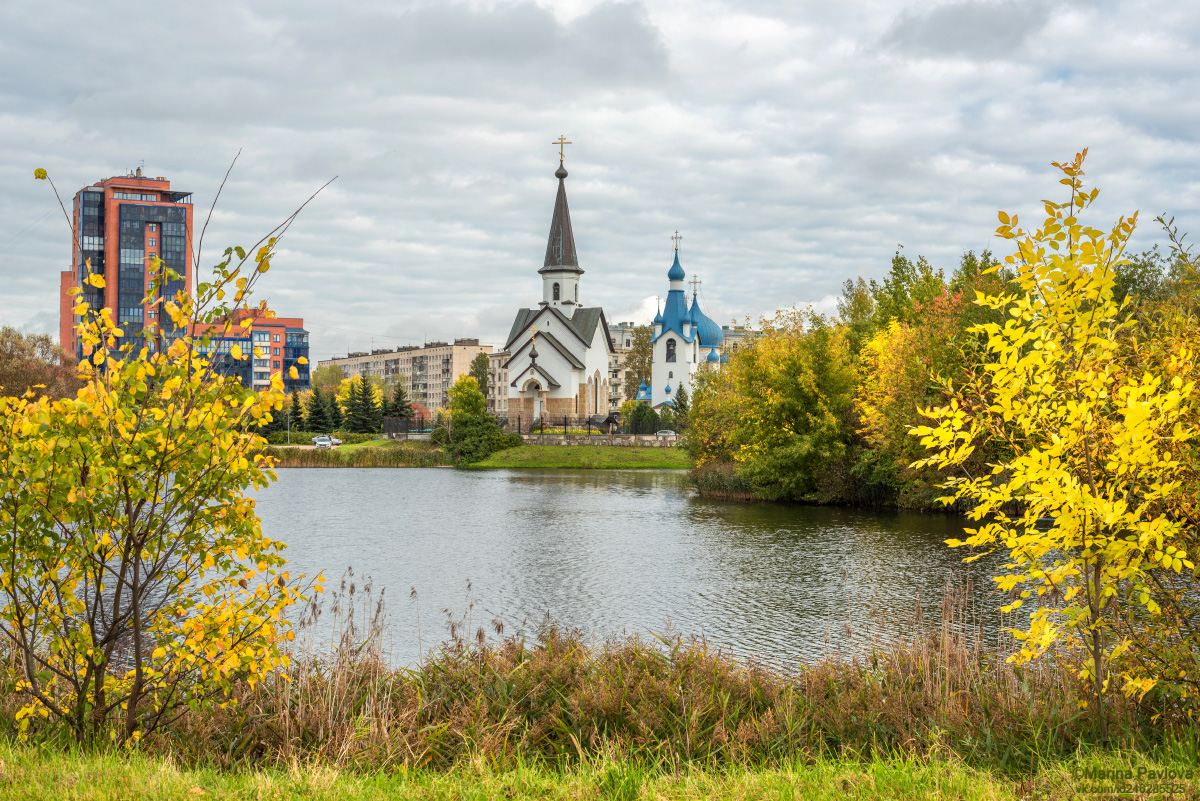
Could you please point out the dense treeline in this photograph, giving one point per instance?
(818, 409)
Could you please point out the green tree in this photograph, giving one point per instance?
(638, 361)
(472, 433)
(796, 383)
(682, 405)
(856, 309)
(363, 415)
(327, 378)
(400, 405)
(316, 413)
(642, 419)
(907, 283)
(333, 411)
(479, 371)
(296, 415)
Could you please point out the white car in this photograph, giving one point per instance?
(322, 442)
(666, 432)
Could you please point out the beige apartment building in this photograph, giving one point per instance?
(621, 335)
(497, 383)
(426, 372)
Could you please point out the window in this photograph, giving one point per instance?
(276, 364)
(577, 293)
(262, 336)
(556, 291)
(276, 353)
(671, 350)
(275, 337)
(152, 227)
(152, 243)
(671, 374)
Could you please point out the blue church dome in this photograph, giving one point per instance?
(712, 357)
(676, 273)
(709, 332)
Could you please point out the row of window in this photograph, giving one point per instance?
(133, 196)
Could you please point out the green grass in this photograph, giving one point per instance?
(593, 457)
(29, 774)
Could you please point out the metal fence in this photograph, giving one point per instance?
(404, 426)
(597, 425)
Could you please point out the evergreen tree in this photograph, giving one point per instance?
(316, 417)
(336, 419)
(363, 415)
(682, 402)
(400, 406)
(479, 371)
(297, 411)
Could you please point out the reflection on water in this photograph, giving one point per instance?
(614, 551)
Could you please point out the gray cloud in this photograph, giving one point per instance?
(975, 28)
(789, 147)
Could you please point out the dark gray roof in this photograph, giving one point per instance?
(582, 324)
(549, 378)
(560, 247)
(546, 336)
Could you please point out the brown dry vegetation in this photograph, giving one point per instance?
(555, 697)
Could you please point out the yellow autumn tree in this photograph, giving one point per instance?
(1081, 505)
(135, 579)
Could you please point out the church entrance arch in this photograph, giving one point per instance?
(533, 393)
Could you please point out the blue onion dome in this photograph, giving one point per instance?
(658, 320)
(724, 358)
(667, 389)
(676, 273)
(712, 357)
(709, 332)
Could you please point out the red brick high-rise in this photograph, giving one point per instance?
(120, 223)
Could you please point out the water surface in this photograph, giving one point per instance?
(612, 552)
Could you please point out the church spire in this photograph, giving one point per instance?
(560, 248)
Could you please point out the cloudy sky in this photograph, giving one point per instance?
(793, 144)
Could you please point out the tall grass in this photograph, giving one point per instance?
(556, 697)
(363, 457)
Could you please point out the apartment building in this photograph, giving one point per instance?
(426, 372)
(621, 335)
(497, 384)
(280, 342)
(120, 225)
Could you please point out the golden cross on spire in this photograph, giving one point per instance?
(562, 140)
(695, 282)
(677, 238)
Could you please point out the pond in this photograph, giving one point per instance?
(616, 552)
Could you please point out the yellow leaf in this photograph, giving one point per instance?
(159, 653)
(236, 351)
(96, 280)
(40, 174)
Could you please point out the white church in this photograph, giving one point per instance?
(685, 341)
(560, 349)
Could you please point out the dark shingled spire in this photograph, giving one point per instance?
(560, 248)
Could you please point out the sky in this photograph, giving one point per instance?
(792, 144)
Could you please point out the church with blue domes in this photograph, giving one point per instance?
(685, 340)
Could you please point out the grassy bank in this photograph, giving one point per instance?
(550, 713)
(28, 774)
(376, 453)
(593, 457)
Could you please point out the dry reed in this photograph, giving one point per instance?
(553, 696)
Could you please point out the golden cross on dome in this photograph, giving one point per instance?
(695, 282)
(677, 238)
(562, 140)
